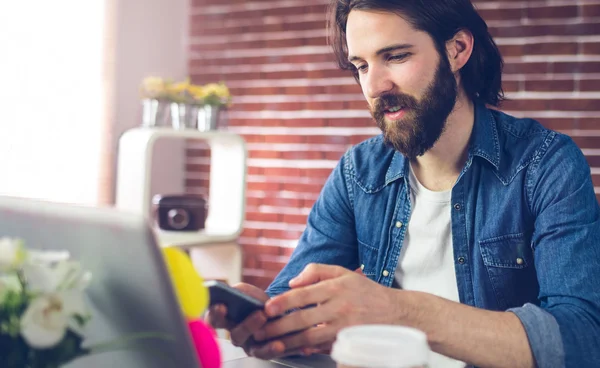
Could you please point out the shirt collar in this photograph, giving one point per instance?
(484, 143)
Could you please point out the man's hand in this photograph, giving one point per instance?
(341, 297)
(242, 333)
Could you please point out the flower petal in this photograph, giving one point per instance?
(12, 254)
(44, 323)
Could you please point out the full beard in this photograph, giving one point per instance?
(422, 122)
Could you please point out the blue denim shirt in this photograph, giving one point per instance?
(525, 230)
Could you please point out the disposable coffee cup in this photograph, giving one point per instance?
(381, 346)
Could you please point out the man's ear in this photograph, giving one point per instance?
(459, 49)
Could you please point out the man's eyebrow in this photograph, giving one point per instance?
(384, 51)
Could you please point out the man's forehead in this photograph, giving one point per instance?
(370, 31)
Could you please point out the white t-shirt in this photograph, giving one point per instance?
(427, 258)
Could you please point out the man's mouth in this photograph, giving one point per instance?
(395, 112)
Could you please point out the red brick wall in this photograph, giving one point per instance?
(299, 113)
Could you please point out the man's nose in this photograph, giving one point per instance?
(377, 82)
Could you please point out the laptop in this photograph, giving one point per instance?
(130, 291)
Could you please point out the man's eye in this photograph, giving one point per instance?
(398, 57)
(361, 68)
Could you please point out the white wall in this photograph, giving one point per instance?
(150, 38)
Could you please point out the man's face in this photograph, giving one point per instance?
(408, 85)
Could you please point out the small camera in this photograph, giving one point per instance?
(180, 212)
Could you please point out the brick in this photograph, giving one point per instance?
(578, 29)
(328, 139)
(589, 123)
(526, 104)
(351, 122)
(356, 105)
(271, 264)
(302, 188)
(282, 202)
(549, 85)
(253, 170)
(304, 90)
(263, 217)
(263, 186)
(559, 124)
(590, 10)
(302, 155)
(501, 14)
(282, 234)
(576, 67)
(197, 168)
(294, 219)
(285, 139)
(324, 105)
(250, 262)
(286, 252)
(344, 89)
(575, 105)
(264, 154)
(202, 183)
(589, 85)
(593, 161)
(262, 282)
(587, 142)
(253, 202)
(546, 11)
(510, 86)
(590, 48)
(526, 68)
(550, 48)
(281, 171)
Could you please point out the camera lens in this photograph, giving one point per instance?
(178, 218)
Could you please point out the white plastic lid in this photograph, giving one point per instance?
(381, 346)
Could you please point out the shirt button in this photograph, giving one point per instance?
(461, 260)
(519, 261)
(386, 273)
(457, 206)
(399, 224)
(362, 266)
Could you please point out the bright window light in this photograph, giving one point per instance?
(51, 99)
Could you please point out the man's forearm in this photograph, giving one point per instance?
(476, 336)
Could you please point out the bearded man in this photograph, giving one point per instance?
(478, 228)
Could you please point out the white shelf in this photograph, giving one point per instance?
(226, 202)
(185, 239)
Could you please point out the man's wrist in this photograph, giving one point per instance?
(418, 310)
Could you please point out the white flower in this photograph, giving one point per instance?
(46, 319)
(47, 256)
(48, 278)
(12, 254)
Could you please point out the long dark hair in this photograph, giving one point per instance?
(441, 19)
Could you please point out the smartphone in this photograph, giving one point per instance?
(239, 305)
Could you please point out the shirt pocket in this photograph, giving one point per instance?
(508, 260)
(367, 256)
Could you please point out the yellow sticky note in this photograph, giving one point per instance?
(189, 286)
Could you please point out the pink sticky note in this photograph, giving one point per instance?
(207, 346)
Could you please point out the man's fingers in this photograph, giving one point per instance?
(307, 341)
(314, 337)
(293, 322)
(271, 350)
(216, 317)
(301, 297)
(242, 332)
(314, 273)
